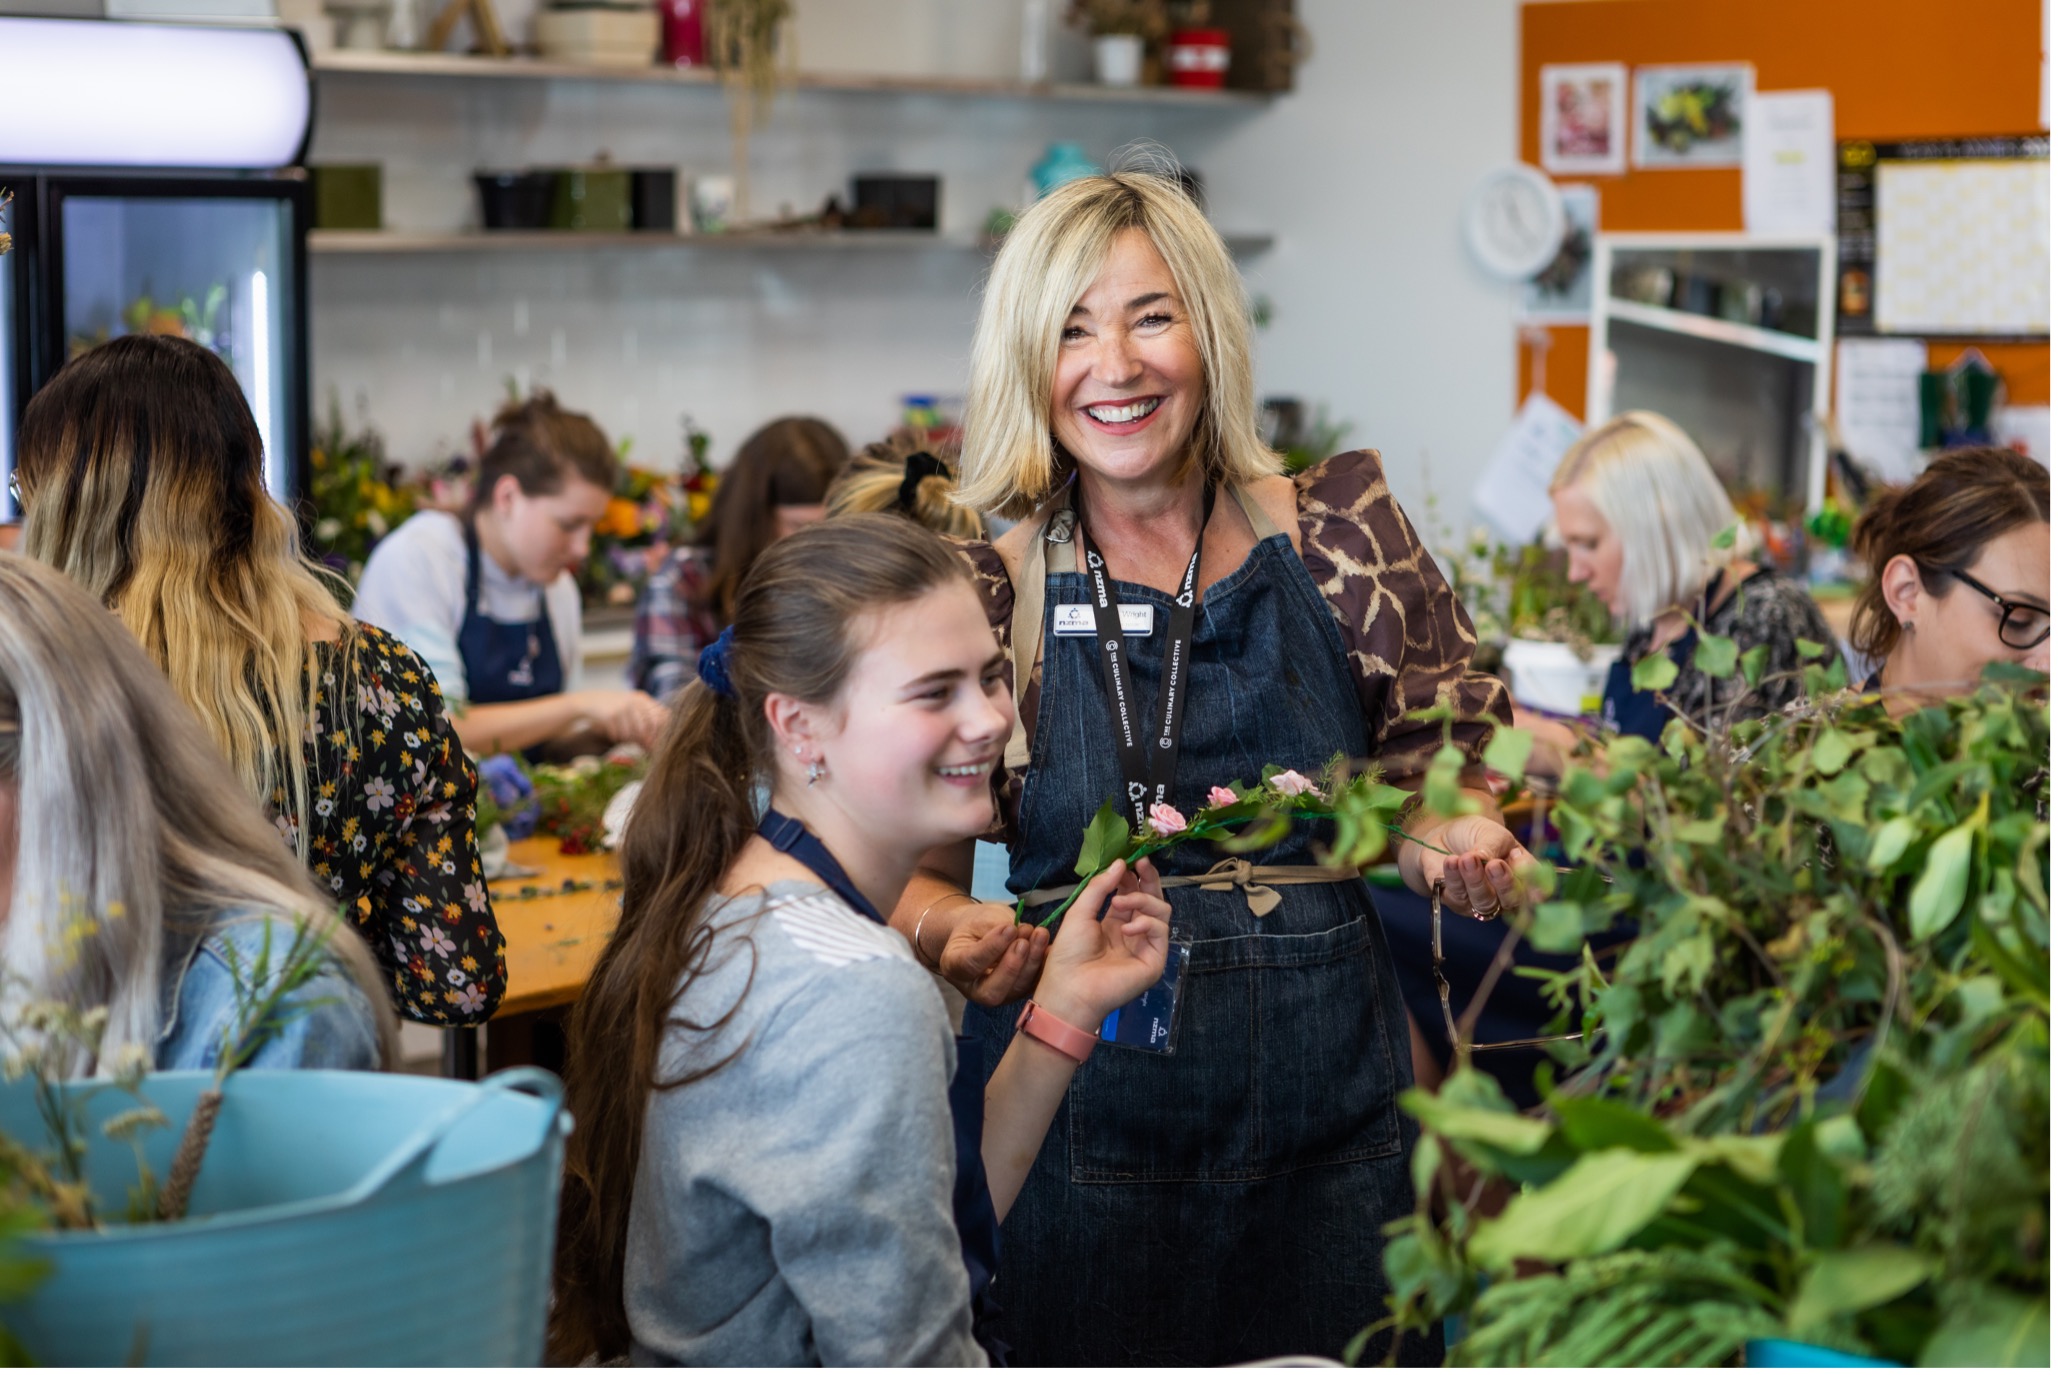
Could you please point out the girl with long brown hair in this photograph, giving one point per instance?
(142, 477)
(777, 1160)
(774, 486)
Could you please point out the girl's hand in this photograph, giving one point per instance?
(988, 957)
(628, 715)
(1486, 871)
(1100, 962)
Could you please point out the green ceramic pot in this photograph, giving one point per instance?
(593, 198)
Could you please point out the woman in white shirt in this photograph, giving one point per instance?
(487, 597)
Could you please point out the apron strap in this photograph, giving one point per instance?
(1051, 550)
(1256, 881)
(1261, 524)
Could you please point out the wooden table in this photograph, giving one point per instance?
(554, 938)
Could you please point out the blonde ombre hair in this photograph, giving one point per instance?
(874, 479)
(1011, 462)
(142, 478)
(1654, 487)
(131, 827)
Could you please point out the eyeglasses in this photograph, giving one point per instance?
(2024, 625)
(1443, 985)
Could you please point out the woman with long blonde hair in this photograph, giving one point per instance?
(136, 874)
(142, 478)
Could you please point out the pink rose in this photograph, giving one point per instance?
(1291, 784)
(1222, 797)
(1165, 819)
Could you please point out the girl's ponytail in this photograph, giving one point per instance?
(797, 631)
(690, 822)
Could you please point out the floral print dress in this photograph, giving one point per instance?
(391, 835)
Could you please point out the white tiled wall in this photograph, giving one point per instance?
(1361, 174)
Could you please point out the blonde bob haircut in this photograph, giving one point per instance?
(1011, 463)
(1654, 487)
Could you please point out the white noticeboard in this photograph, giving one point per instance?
(1790, 163)
(1964, 247)
(1514, 493)
(1879, 404)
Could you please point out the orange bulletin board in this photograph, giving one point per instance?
(1898, 69)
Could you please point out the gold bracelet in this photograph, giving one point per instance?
(920, 955)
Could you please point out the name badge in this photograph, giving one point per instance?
(1076, 618)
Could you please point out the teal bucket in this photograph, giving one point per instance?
(339, 1219)
(1777, 1353)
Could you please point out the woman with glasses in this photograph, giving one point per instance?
(1962, 560)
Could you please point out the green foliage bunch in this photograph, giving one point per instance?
(1811, 1098)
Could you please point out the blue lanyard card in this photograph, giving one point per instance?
(1151, 1022)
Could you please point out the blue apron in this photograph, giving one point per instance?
(971, 1205)
(1628, 711)
(505, 662)
(1226, 1202)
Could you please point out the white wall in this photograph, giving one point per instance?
(1360, 174)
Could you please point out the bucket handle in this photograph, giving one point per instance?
(409, 1160)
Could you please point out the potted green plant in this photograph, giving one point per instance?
(742, 43)
(1121, 30)
(1810, 1098)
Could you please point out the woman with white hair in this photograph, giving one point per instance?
(136, 874)
(1640, 511)
(1180, 614)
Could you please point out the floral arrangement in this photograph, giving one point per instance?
(1810, 1097)
(570, 800)
(358, 494)
(1523, 591)
(1242, 819)
(649, 512)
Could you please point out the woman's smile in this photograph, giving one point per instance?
(1123, 417)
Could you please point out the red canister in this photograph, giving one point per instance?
(1197, 57)
(685, 32)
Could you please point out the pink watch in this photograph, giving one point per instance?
(1057, 1033)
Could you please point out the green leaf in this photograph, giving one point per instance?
(1809, 649)
(1654, 672)
(1753, 663)
(1508, 1131)
(1940, 892)
(1816, 1182)
(1833, 749)
(1106, 840)
(1601, 1202)
(1992, 1327)
(1706, 831)
(1596, 1124)
(1507, 753)
(1890, 842)
(1725, 538)
(1558, 927)
(1715, 655)
(1854, 1280)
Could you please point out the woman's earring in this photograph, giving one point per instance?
(815, 772)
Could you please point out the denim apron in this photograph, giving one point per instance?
(503, 661)
(1223, 1203)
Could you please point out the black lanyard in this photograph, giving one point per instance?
(789, 837)
(1148, 764)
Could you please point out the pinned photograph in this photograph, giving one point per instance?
(1585, 126)
(1691, 116)
(1563, 293)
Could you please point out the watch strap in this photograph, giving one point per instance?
(1055, 1032)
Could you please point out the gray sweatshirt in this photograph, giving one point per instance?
(794, 1207)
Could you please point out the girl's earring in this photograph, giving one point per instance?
(814, 773)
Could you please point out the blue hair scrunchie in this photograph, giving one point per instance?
(714, 663)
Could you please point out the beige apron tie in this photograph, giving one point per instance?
(1256, 880)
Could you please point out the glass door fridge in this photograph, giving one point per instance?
(220, 260)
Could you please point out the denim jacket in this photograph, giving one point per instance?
(330, 1022)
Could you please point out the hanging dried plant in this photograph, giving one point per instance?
(743, 45)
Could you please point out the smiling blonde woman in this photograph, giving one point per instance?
(1233, 1193)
